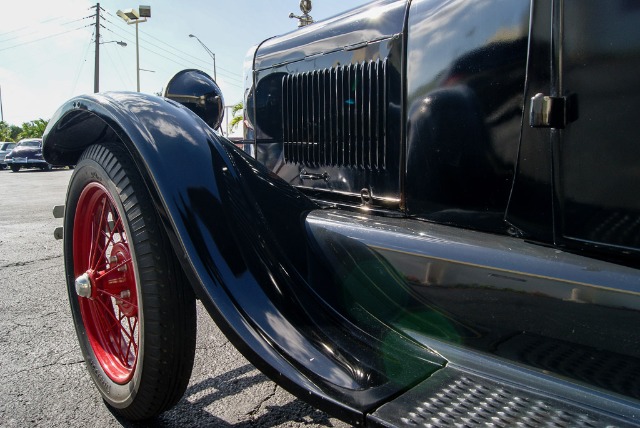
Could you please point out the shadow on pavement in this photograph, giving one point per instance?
(193, 413)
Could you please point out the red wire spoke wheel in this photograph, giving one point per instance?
(105, 283)
(133, 309)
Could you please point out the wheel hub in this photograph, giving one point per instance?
(83, 286)
(116, 279)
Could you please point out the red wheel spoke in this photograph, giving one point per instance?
(105, 314)
(112, 325)
(95, 233)
(113, 317)
(132, 343)
(109, 239)
(113, 269)
(108, 330)
(115, 296)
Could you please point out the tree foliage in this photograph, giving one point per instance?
(235, 117)
(32, 129)
(9, 132)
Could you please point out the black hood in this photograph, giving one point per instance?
(26, 151)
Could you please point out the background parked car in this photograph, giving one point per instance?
(5, 148)
(27, 154)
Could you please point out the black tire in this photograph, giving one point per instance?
(2, 166)
(165, 314)
(15, 168)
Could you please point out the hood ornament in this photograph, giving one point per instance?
(305, 18)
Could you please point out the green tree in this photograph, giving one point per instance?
(9, 132)
(235, 117)
(33, 129)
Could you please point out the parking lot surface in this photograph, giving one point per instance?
(43, 380)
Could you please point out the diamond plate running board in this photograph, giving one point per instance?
(454, 398)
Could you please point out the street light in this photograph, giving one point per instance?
(133, 16)
(123, 44)
(210, 53)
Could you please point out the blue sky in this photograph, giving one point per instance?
(47, 54)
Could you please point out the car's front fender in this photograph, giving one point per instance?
(240, 234)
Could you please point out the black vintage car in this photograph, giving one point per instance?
(435, 222)
(27, 154)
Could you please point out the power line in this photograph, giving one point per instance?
(159, 47)
(82, 62)
(36, 32)
(228, 73)
(43, 38)
(182, 64)
(114, 67)
(193, 56)
(129, 81)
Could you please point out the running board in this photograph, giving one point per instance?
(453, 397)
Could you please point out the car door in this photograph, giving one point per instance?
(597, 157)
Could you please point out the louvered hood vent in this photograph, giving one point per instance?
(337, 117)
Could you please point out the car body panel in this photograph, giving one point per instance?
(471, 157)
(465, 100)
(248, 285)
(598, 178)
(406, 221)
(330, 145)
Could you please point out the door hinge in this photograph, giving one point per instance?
(553, 112)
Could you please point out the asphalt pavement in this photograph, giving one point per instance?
(43, 380)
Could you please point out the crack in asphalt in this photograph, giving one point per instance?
(251, 413)
(44, 366)
(18, 264)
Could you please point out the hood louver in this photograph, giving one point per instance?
(337, 117)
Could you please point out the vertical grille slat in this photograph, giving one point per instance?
(298, 119)
(342, 111)
(382, 158)
(286, 125)
(350, 115)
(337, 116)
(315, 122)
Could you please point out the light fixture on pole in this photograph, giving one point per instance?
(133, 16)
(123, 44)
(215, 77)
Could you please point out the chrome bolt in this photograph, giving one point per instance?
(113, 260)
(125, 294)
(83, 286)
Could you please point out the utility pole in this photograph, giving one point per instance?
(96, 69)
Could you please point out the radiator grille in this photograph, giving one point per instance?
(337, 116)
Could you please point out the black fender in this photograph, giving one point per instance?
(240, 234)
